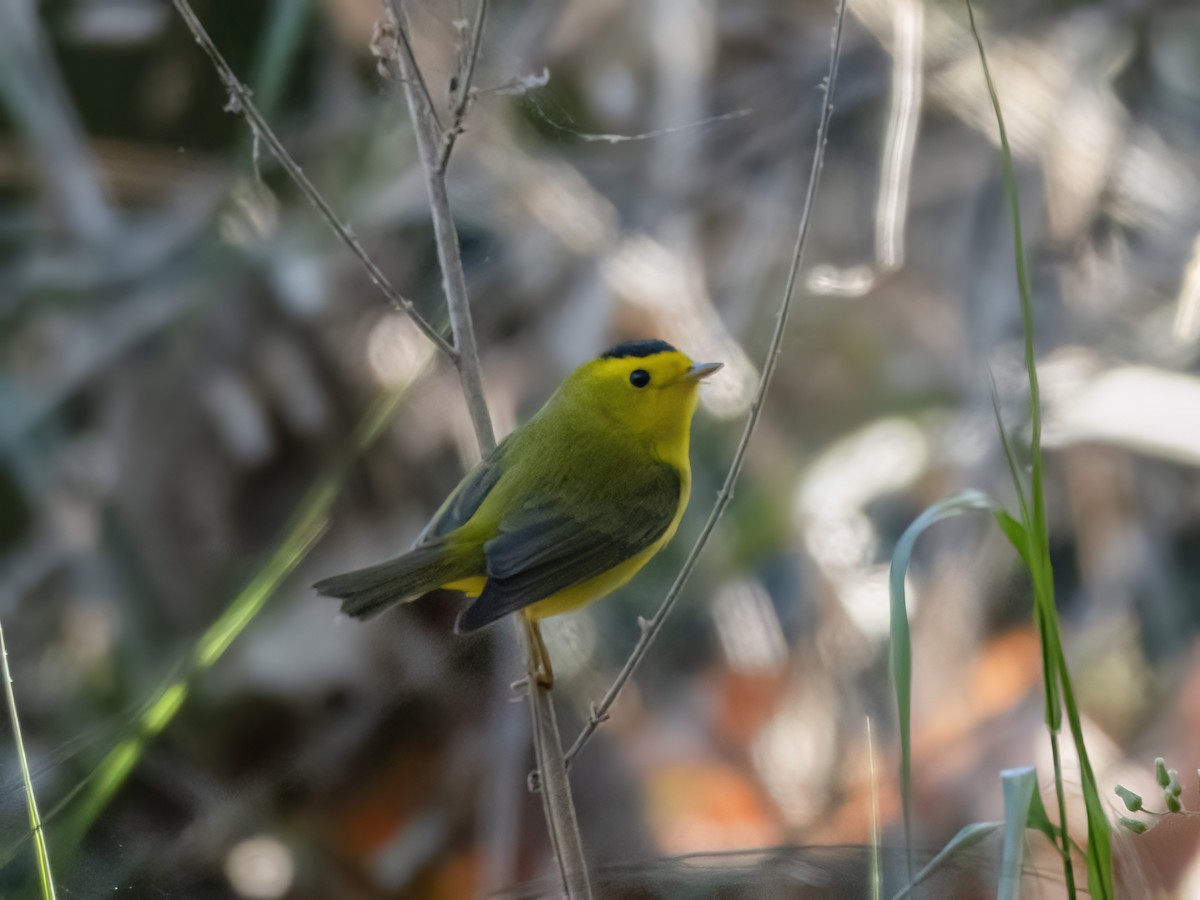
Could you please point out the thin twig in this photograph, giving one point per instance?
(454, 281)
(558, 805)
(651, 627)
(241, 100)
(412, 76)
(463, 89)
(557, 802)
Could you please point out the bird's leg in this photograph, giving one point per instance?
(542, 672)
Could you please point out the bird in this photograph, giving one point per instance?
(568, 508)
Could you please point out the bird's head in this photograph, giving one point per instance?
(643, 387)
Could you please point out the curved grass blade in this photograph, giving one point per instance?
(45, 876)
(1020, 789)
(967, 838)
(1023, 809)
(901, 637)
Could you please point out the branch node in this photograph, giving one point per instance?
(385, 38)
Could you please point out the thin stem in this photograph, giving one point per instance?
(454, 281)
(1036, 530)
(45, 877)
(1061, 796)
(651, 628)
(463, 90)
(1056, 675)
(557, 802)
(240, 95)
(412, 77)
(558, 805)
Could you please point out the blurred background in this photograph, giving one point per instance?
(205, 405)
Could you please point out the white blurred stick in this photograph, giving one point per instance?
(895, 175)
(891, 211)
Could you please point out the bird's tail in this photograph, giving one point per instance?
(365, 593)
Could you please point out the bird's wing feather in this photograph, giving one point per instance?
(543, 548)
(466, 499)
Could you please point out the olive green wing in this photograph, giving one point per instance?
(466, 499)
(545, 548)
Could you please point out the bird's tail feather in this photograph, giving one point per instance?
(365, 593)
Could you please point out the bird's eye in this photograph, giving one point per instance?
(639, 378)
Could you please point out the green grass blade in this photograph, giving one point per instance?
(1016, 534)
(306, 526)
(1010, 455)
(45, 876)
(1099, 856)
(1101, 883)
(1023, 809)
(1022, 271)
(1038, 819)
(1022, 537)
(901, 637)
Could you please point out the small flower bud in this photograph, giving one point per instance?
(1133, 824)
(1132, 801)
(1173, 804)
(1160, 772)
(1173, 784)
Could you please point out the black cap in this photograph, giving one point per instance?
(637, 348)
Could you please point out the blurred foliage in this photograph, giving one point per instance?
(184, 350)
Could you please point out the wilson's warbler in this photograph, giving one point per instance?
(567, 509)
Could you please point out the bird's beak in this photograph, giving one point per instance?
(700, 371)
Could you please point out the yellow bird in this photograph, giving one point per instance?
(567, 509)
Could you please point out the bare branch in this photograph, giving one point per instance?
(557, 802)
(241, 102)
(463, 88)
(454, 282)
(651, 628)
(404, 47)
(555, 786)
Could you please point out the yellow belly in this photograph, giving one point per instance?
(577, 595)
